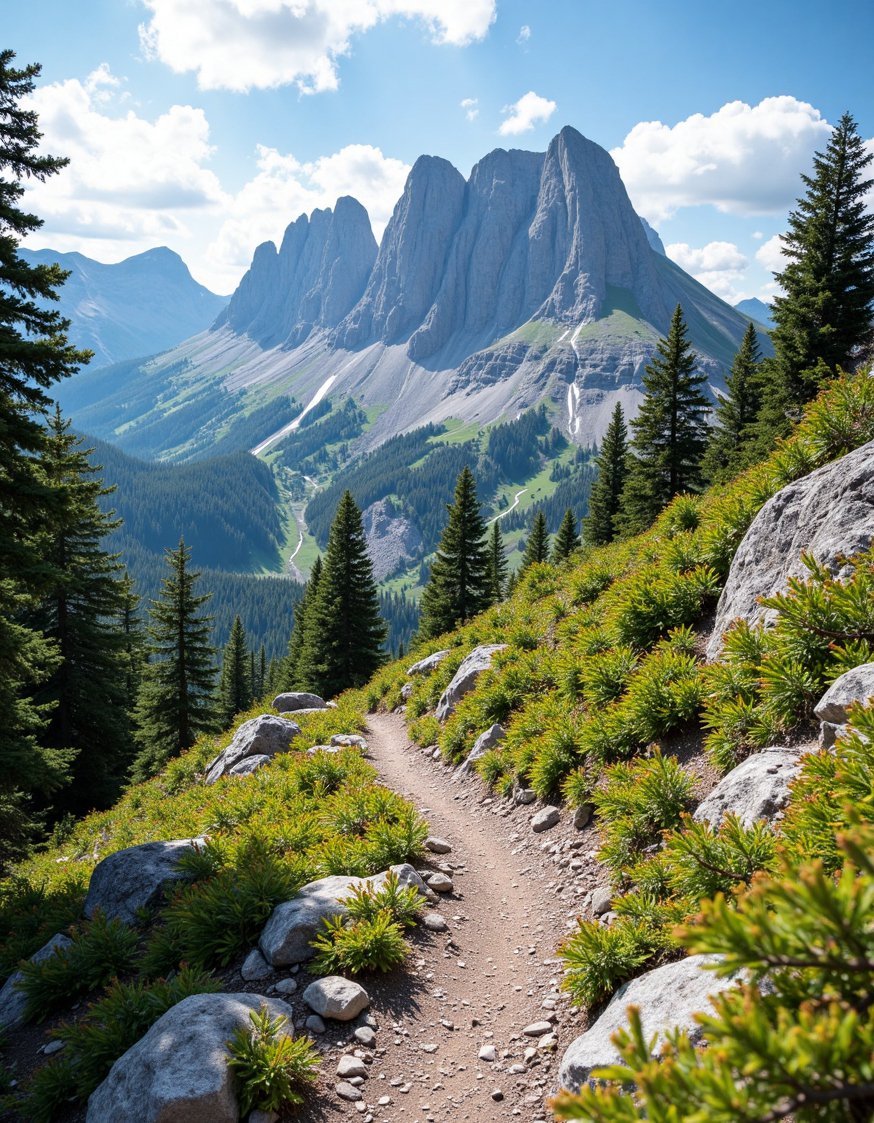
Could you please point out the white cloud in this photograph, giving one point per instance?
(770, 255)
(470, 105)
(524, 34)
(720, 266)
(246, 44)
(741, 159)
(531, 109)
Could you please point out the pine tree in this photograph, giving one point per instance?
(259, 674)
(823, 317)
(670, 432)
(605, 499)
(731, 444)
(458, 587)
(344, 631)
(80, 611)
(235, 682)
(498, 567)
(291, 663)
(176, 702)
(34, 353)
(537, 546)
(567, 540)
(133, 645)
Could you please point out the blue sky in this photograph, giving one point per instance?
(208, 125)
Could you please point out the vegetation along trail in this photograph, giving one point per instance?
(494, 972)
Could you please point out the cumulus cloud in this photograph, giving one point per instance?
(524, 35)
(246, 44)
(720, 266)
(470, 105)
(770, 255)
(741, 159)
(531, 109)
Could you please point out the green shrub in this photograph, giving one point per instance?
(654, 600)
(403, 903)
(597, 957)
(270, 1065)
(373, 944)
(32, 912)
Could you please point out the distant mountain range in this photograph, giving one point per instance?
(757, 310)
(133, 309)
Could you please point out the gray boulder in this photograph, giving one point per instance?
(12, 999)
(135, 878)
(829, 513)
(249, 764)
(853, 686)
(178, 1072)
(545, 819)
(337, 998)
(350, 741)
(667, 997)
(298, 700)
(265, 736)
(285, 938)
(757, 789)
(488, 740)
(464, 680)
(429, 663)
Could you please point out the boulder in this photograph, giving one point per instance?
(179, 1069)
(285, 938)
(12, 999)
(757, 789)
(488, 740)
(667, 997)
(134, 878)
(350, 741)
(464, 679)
(829, 513)
(255, 967)
(856, 685)
(298, 700)
(249, 764)
(265, 735)
(546, 818)
(429, 663)
(337, 998)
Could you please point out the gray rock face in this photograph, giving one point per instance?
(667, 997)
(286, 936)
(179, 1070)
(429, 663)
(298, 700)
(479, 660)
(135, 878)
(337, 998)
(311, 282)
(829, 513)
(249, 765)
(392, 540)
(12, 999)
(492, 737)
(856, 685)
(757, 789)
(263, 736)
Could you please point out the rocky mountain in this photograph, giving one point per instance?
(534, 280)
(137, 307)
(757, 310)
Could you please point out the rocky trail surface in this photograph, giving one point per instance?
(450, 1041)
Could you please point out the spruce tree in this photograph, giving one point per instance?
(497, 564)
(291, 664)
(567, 540)
(235, 682)
(133, 645)
(176, 702)
(670, 432)
(537, 546)
(34, 354)
(344, 632)
(731, 444)
(823, 316)
(80, 611)
(605, 499)
(458, 587)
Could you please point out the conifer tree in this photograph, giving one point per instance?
(344, 632)
(34, 354)
(605, 499)
(176, 702)
(670, 432)
(458, 587)
(235, 683)
(730, 447)
(567, 540)
(497, 564)
(80, 611)
(259, 673)
(537, 546)
(823, 316)
(290, 679)
(133, 645)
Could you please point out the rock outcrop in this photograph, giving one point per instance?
(757, 789)
(262, 736)
(464, 679)
(429, 663)
(179, 1069)
(13, 1001)
(392, 540)
(829, 514)
(295, 700)
(492, 737)
(135, 878)
(854, 686)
